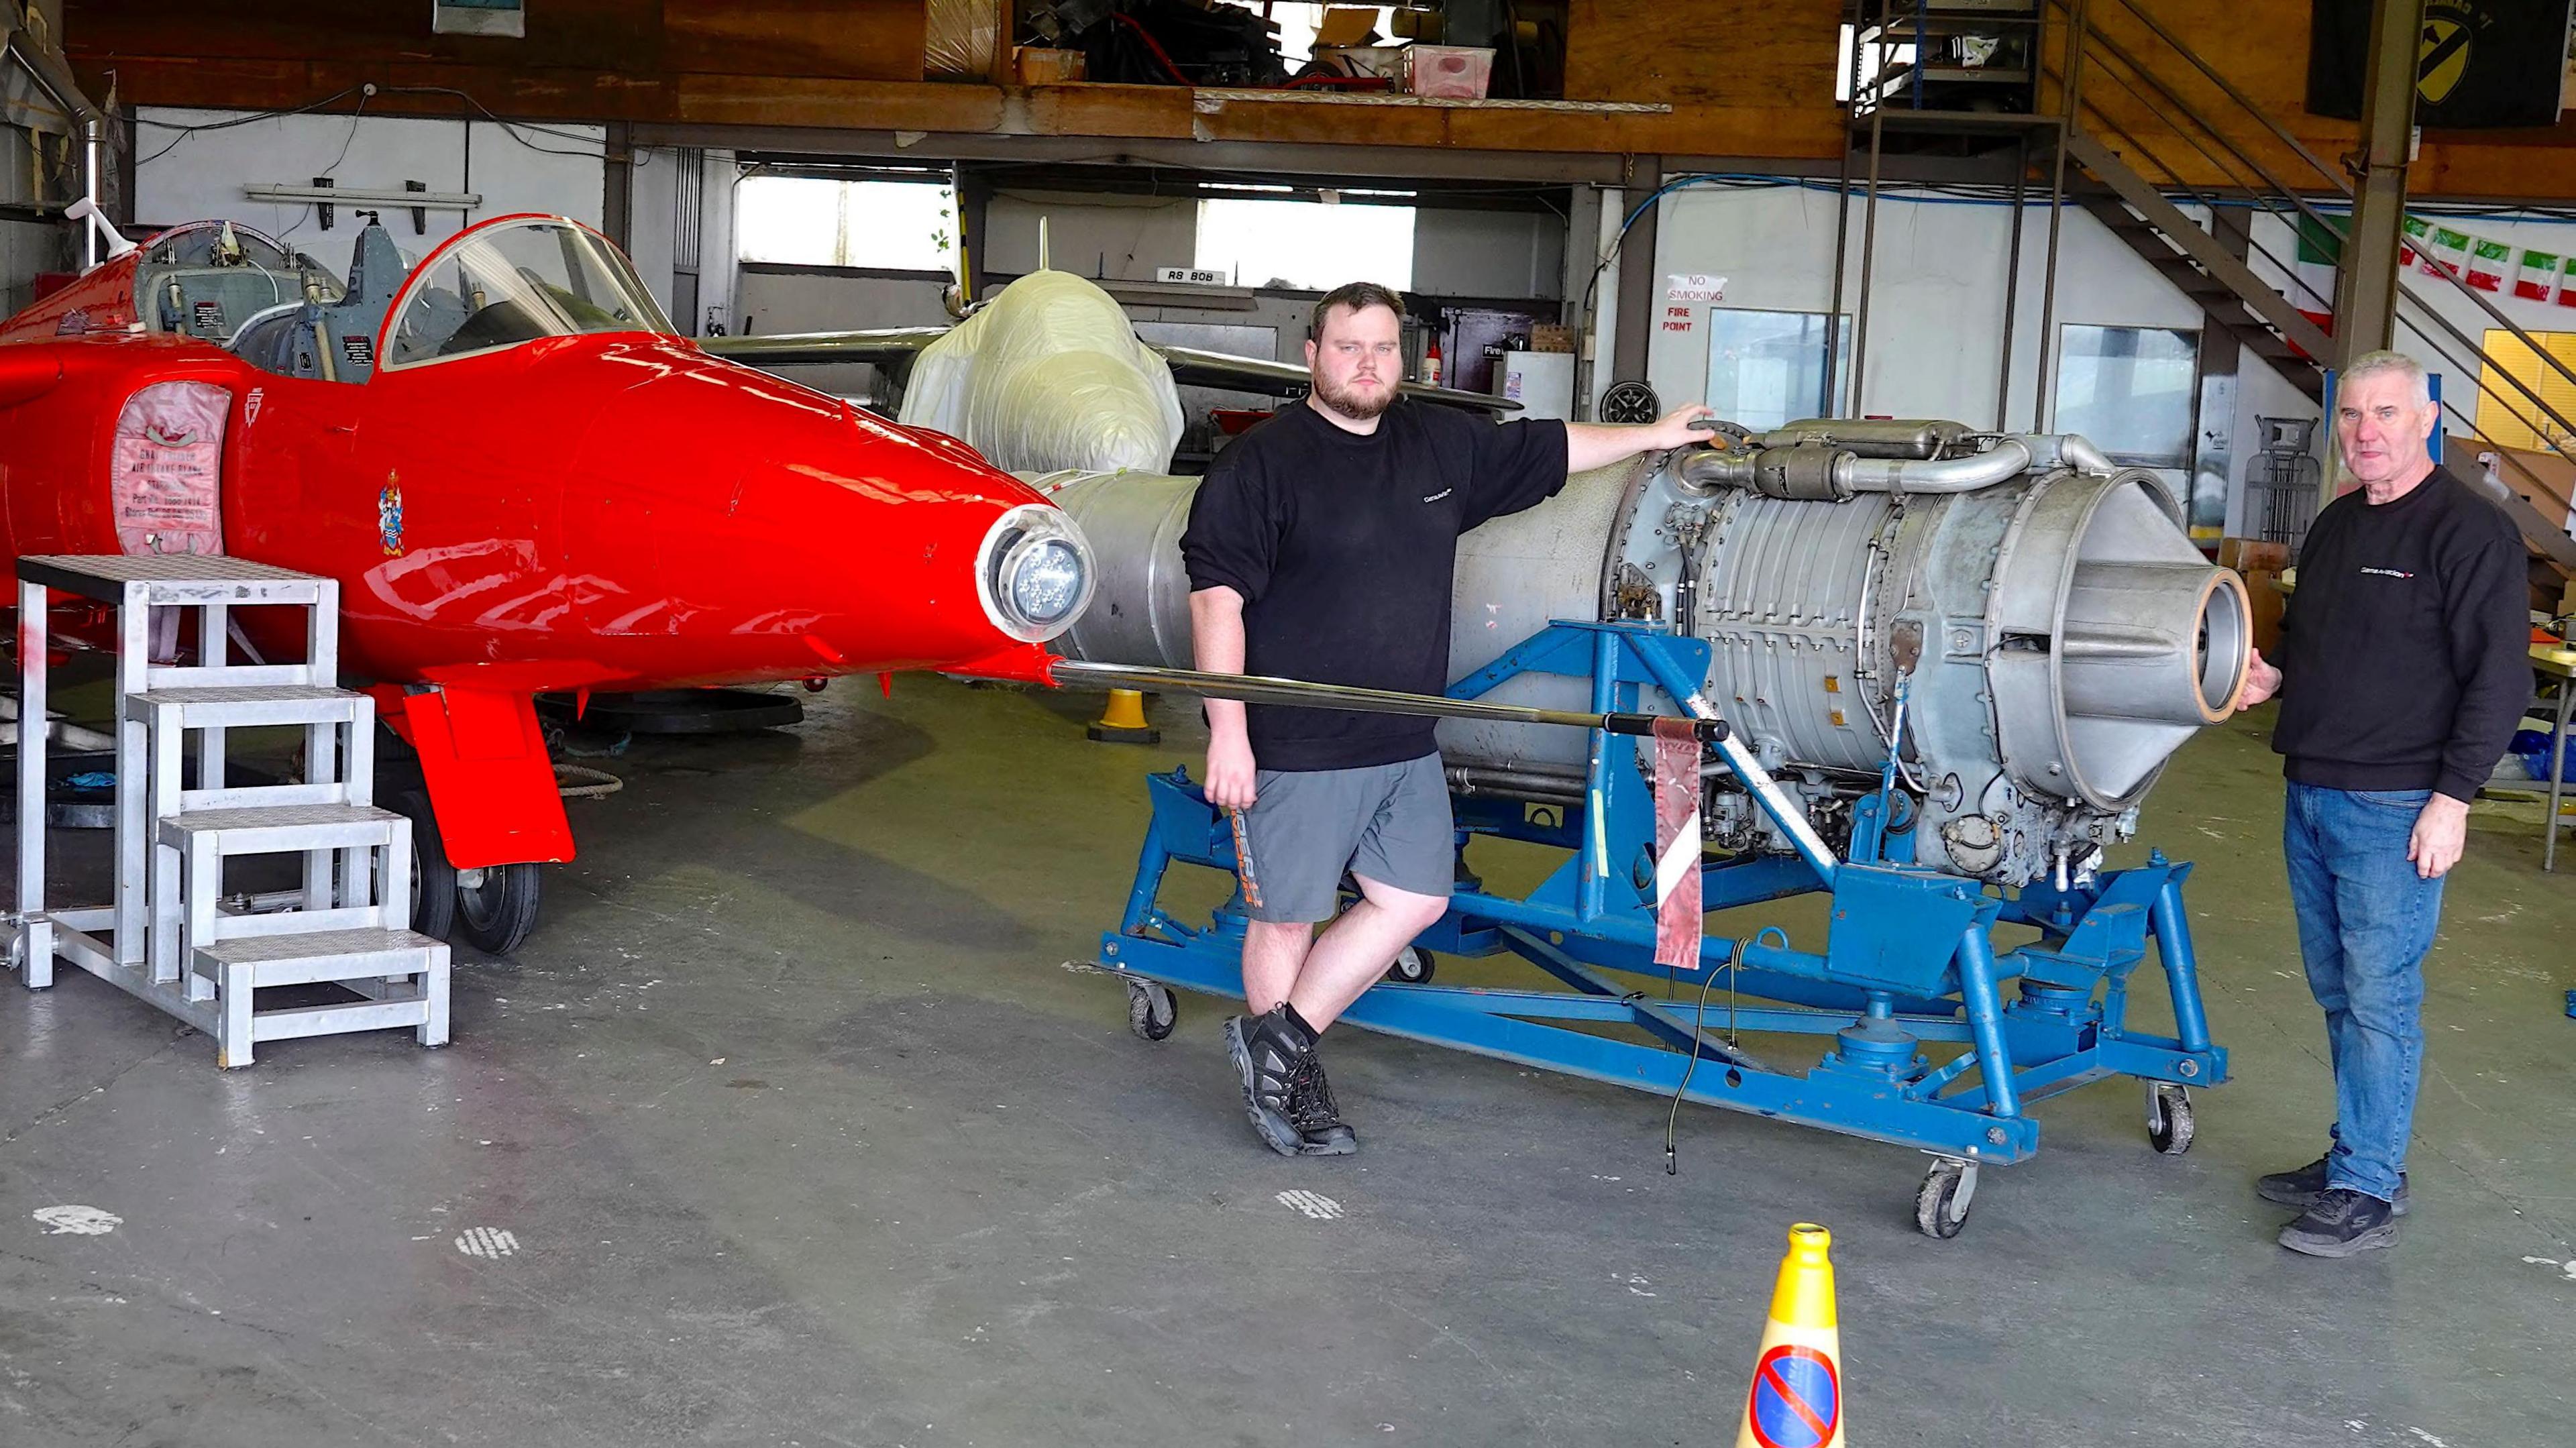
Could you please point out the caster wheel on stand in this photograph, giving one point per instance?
(2169, 1118)
(1151, 1010)
(1413, 966)
(1941, 1203)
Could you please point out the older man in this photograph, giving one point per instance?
(1322, 546)
(2401, 676)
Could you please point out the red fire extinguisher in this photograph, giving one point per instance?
(1431, 364)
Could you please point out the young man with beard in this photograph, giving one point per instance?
(1321, 547)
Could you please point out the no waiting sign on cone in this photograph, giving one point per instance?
(1796, 1400)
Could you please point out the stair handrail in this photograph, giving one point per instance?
(2175, 180)
(2279, 132)
(2335, 227)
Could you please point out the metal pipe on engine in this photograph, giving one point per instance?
(1813, 472)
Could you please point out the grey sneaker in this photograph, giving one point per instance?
(1268, 1060)
(2302, 1186)
(2342, 1223)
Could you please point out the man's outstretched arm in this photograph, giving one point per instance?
(1590, 445)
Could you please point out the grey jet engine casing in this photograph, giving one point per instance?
(2062, 634)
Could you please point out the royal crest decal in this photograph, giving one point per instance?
(389, 515)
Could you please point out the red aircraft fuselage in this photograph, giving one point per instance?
(517, 491)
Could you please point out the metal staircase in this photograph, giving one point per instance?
(2244, 165)
(175, 935)
(2098, 103)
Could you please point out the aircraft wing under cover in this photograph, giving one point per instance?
(889, 347)
(894, 348)
(1192, 367)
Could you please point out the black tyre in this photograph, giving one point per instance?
(1941, 1203)
(1151, 1010)
(433, 880)
(497, 913)
(2169, 1118)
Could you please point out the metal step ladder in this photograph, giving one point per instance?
(174, 935)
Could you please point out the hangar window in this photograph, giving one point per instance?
(818, 221)
(2134, 391)
(1767, 369)
(1306, 245)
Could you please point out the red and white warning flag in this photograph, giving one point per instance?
(1678, 919)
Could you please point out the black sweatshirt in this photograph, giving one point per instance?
(1344, 548)
(2405, 650)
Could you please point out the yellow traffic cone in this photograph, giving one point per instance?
(1123, 722)
(1797, 1396)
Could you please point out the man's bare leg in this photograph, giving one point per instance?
(1273, 953)
(1356, 950)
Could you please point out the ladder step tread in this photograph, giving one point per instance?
(278, 816)
(247, 694)
(354, 944)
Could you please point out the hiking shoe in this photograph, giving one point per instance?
(1268, 1058)
(2342, 1223)
(1320, 1131)
(2302, 1187)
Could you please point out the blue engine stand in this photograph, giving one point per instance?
(1909, 960)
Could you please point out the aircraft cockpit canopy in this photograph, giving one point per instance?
(514, 282)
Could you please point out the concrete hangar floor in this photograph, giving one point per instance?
(790, 1125)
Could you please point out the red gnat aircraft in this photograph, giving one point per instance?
(524, 482)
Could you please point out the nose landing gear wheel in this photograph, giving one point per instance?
(491, 909)
(1151, 1011)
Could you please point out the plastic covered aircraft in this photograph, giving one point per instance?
(524, 481)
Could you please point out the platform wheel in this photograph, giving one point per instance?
(1413, 966)
(2169, 1118)
(1941, 1203)
(1151, 1010)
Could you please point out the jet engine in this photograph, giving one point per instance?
(2047, 623)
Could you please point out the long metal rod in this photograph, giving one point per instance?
(1299, 693)
(2067, 114)
(1832, 395)
(2012, 276)
(1869, 221)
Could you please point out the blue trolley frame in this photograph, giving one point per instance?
(1909, 958)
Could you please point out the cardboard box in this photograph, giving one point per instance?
(2264, 603)
(1346, 25)
(2250, 556)
(2545, 480)
(1038, 65)
(1549, 337)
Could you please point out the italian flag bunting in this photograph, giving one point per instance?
(2312, 281)
(2538, 272)
(2417, 229)
(2567, 286)
(2450, 251)
(2488, 262)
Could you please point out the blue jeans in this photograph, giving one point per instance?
(2365, 923)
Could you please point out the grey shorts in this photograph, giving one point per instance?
(1387, 822)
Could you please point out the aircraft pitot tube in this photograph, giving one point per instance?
(2057, 632)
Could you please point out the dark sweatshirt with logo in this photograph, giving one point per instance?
(2405, 650)
(1344, 547)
